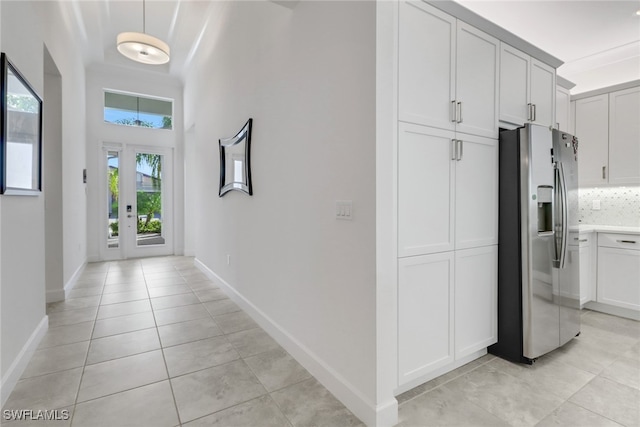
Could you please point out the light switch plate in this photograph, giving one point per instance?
(595, 205)
(344, 209)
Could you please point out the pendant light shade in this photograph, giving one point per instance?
(142, 47)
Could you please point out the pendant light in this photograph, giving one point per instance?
(142, 47)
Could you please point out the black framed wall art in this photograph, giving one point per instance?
(20, 133)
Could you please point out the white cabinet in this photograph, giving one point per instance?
(624, 136)
(563, 110)
(543, 90)
(592, 130)
(447, 308)
(619, 270)
(476, 299)
(426, 182)
(585, 253)
(608, 129)
(527, 88)
(425, 314)
(447, 190)
(448, 72)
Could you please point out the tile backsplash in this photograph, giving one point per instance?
(618, 206)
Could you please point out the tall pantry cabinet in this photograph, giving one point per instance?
(447, 190)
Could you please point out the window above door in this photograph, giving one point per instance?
(128, 109)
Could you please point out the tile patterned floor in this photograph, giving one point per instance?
(594, 380)
(153, 342)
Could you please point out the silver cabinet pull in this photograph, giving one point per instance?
(583, 240)
(533, 119)
(529, 112)
(632, 242)
(459, 150)
(454, 117)
(454, 149)
(460, 112)
(604, 172)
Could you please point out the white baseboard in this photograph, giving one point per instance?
(71, 283)
(61, 294)
(93, 258)
(13, 374)
(382, 415)
(613, 310)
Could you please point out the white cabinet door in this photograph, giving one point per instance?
(426, 65)
(477, 57)
(425, 314)
(618, 277)
(624, 137)
(476, 299)
(514, 85)
(592, 130)
(426, 179)
(543, 90)
(476, 192)
(563, 106)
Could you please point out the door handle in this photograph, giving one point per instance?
(534, 113)
(459, 112)
(604, 172)
(454, 149)
(460, 145)
(529, 112)
(454, 112)
(633, 242)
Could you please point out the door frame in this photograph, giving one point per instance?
(127, 247)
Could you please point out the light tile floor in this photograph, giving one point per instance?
(153, 342)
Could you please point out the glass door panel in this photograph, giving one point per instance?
(113, 192)
(149, 199)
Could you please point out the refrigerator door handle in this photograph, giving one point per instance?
(561, 241)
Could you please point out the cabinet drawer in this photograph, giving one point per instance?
(621, 241)
(580, 239)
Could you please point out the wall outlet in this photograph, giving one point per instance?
(344, 209)
(595, 205)
(228, 259)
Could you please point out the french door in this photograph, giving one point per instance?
(138, 201)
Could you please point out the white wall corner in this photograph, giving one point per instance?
(384, 415)
(13, 374)
(71, 283)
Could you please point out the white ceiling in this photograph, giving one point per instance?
(599, 41)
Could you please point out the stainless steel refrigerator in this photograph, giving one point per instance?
(538, 272)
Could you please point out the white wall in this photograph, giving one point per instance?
(307, 78)
(98, 132)
(22, 264)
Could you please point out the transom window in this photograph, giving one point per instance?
(135, 110)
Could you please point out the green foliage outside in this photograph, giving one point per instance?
(114, 228)
(143, 227)
(27, 104)
(149, 204)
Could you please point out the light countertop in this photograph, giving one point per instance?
(609, 228)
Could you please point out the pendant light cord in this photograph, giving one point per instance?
(143, 17)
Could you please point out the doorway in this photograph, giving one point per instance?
(138, 201)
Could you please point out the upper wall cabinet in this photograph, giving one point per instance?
(563, 110)
(608, 130)
(448, 72)
(592, 127)
(624, 136)
(527, 88)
